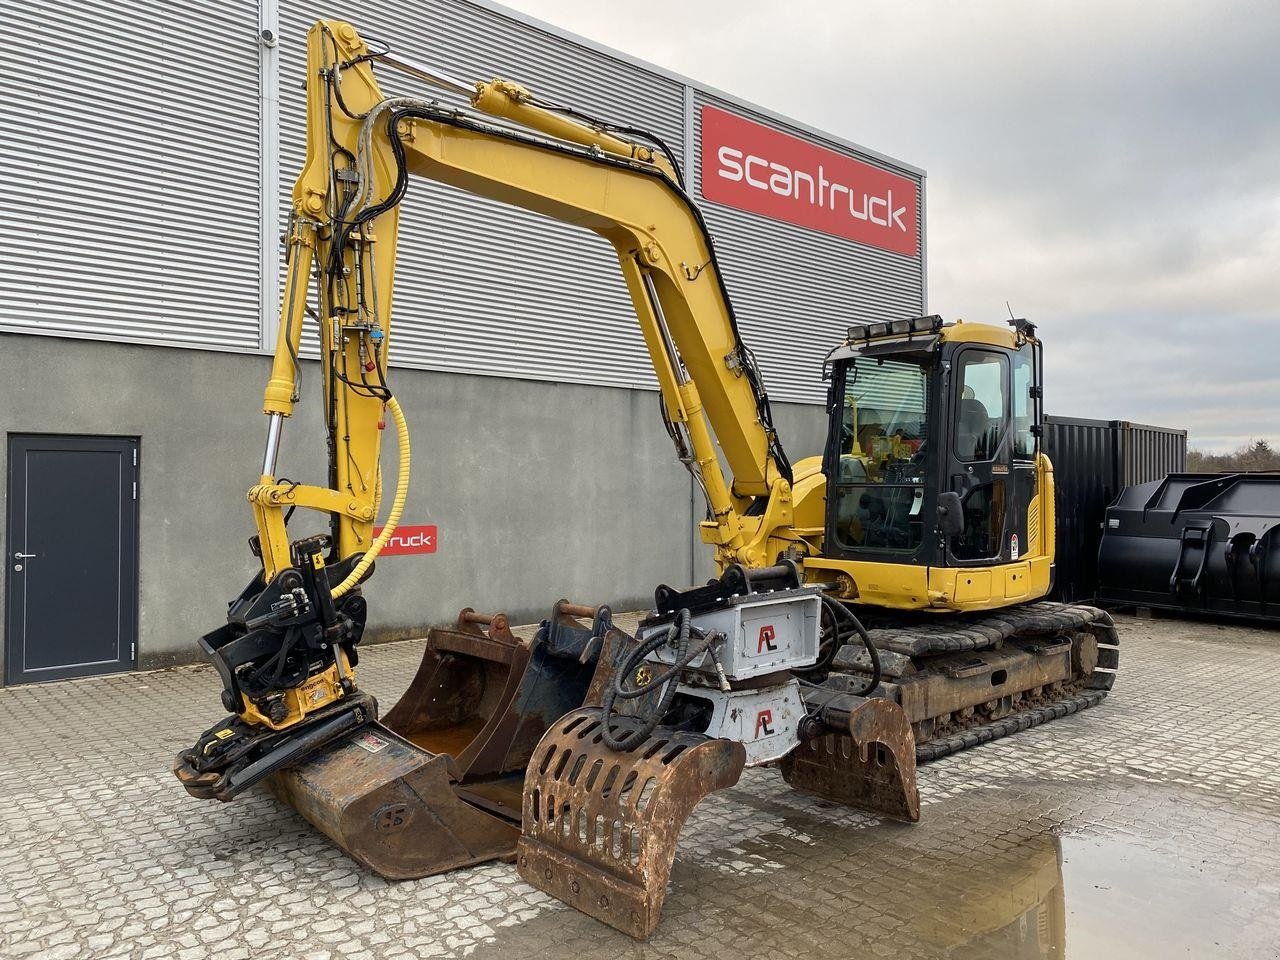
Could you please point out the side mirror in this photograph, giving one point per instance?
(950, 514)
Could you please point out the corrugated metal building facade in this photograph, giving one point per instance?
(154, 168)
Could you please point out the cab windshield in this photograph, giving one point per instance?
(878, 487)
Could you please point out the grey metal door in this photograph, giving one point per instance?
(71, 586)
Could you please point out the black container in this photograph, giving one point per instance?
(1196, 542)
(1093, 460)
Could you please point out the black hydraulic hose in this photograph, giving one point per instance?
(838, 609)
(825, 656)
(751, 369)
(678, 633)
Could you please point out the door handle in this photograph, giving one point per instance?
(24, 556)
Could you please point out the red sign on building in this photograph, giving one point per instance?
(409, 540)
(761, 170)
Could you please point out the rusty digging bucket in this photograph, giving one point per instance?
(600, 827)
(436, 784)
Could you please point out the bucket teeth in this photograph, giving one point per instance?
(600, 827)
(871, 764)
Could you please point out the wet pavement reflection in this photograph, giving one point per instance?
(1147, 828)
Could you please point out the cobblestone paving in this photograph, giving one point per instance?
(1147, 827)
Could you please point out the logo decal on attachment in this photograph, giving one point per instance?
(767, 637)
(764, 721)
(369, 742)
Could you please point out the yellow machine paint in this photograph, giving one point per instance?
(315, 693)
(935, 589)
(686, 322)
(660, 248)
(764, 515)
(941, 589)
(683, 316)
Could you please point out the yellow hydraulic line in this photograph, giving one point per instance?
(397, 503)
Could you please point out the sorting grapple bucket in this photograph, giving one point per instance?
(703, 691)
(437, 783)
(1195, 542)
(600, 827)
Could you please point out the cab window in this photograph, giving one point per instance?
(877, 491)
(1024, 441)
(980, 406)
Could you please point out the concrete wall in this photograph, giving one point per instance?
(540, 490)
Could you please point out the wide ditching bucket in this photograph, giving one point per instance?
(436, 784)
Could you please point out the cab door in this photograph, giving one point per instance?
(979, 461)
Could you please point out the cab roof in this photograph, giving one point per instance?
(915, 339)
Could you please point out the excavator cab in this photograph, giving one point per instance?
(940, 501)
(933, 459)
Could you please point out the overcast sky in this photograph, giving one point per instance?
(1112, 169)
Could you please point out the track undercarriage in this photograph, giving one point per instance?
(970, 679)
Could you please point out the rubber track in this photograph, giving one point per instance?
(965, 632)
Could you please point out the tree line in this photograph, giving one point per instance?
(1254, 455)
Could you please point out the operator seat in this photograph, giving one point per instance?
(973, 427)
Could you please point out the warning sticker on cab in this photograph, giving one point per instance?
(369, 742)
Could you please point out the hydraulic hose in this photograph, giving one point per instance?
(397, 503)
(678, 633)
(837, 610)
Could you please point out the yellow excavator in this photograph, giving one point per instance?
(877, 606)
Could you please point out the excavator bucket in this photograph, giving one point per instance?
(600, 827)
(436, 784)
(864, 756)
(602, 814)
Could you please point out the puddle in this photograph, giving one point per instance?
(1125, 901)
(986, 879)
(1085, 897)
(1015, 891)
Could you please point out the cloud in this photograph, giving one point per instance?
(1112, 169)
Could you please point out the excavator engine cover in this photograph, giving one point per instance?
(436, 784)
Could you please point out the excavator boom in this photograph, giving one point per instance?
(362, 150)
